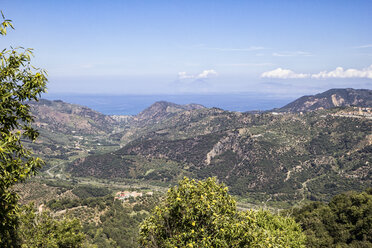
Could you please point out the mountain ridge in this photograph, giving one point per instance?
(342, 97)
(163, 109)
(65, 117)
(285, 155)
(268, 155)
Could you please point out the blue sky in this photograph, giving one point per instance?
(173, 47)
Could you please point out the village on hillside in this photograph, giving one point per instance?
(125, 195)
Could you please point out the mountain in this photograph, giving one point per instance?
(267, 159)
(269, 156)
(58, 116)
(162, 110)
(329, 99)
(275, 156)
(150, 119)
(69, 130)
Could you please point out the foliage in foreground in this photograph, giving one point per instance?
(42, 230)
(118, 227)
(19, 82)
(203, 214)
(346, 221)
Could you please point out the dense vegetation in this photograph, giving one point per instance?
(277, 159)
(305, 157)
(42, 230)
(118, 226)
(19, 83)
(346, 221)
(285, 158)
(105, 221)
(203, 214)
(343, 222)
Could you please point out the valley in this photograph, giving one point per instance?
(196, 124)
(275, 160)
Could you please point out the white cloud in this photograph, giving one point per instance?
(247, 64)
(183, 75)
(365, 46)
(203, 75)
(339, 72)
(206, 74)
(245, 49)
(228, 49)
(291, 54)
(283, 74)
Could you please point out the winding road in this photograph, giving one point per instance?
(48, 170)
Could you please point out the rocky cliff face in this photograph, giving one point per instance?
(331, 98)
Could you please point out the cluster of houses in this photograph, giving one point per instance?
(124, 195)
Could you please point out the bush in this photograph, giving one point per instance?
(345, 222)
(42, 230)
(203, 214)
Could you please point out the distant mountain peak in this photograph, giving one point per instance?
(165, 104)
(162, 109)
(330, 99)
(66, 118)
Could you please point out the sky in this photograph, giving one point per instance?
(282, 48)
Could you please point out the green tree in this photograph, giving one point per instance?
(19, 82)
(346, 221)
(42, 230)
(203, 214)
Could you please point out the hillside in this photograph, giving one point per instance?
(330, 99)
(58, 116)
(283, 157)
(68, 131)
(286, 157)
(162, 110)
(150, 119)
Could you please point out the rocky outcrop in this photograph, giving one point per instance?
(226, 143)
(329, 99)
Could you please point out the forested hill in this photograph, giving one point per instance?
(330, 99)
(267, 157)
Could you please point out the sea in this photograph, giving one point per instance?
(133, 104)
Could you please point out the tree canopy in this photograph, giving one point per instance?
(346, 221)
(42, 230)
(19, 82)
(203, 214)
